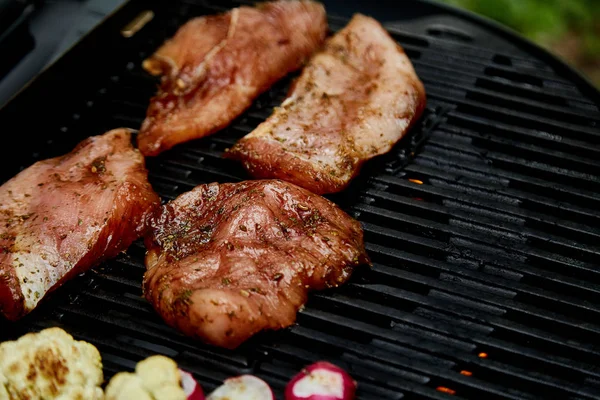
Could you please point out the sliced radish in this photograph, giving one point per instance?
(321, 381)
(192, 389)
(245, 387)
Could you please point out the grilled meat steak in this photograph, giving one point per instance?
(226, 261)
(215, 66)
(61, 216)
(353, 101)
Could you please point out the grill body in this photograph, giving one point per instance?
(482, 224)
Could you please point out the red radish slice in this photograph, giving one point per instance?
(321, 381)
(192, 389)
(245, 387)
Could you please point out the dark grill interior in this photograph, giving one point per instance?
(483, 226)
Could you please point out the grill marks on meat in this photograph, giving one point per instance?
(61, 216)
(353, 101)
(226, 261)
(215, 66)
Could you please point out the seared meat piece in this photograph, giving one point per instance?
(61, 216)
(226, 261)
(353, 101)
(215, 66)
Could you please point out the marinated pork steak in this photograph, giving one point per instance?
(353, 101)
(226, 261)
(61, 216)
(215, 66)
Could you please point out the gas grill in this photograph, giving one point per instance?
(482, 224)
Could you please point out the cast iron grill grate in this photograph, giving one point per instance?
(482, 226)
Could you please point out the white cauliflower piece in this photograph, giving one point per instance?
(50, 365)
(3, 383)
(156, 377)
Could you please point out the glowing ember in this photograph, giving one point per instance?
(445, 390)
(418, 182)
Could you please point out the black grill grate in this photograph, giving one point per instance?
(483, 225)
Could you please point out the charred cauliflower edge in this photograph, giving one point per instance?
(50, 364)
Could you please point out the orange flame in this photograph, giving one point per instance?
(483, 355)
(445, 390)
(418, 182)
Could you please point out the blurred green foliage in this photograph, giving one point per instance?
(569, 27)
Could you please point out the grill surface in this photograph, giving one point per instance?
(483, 225)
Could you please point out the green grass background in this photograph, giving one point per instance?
(568, 28)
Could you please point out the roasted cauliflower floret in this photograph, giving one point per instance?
(156, 377)
(50, 365)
